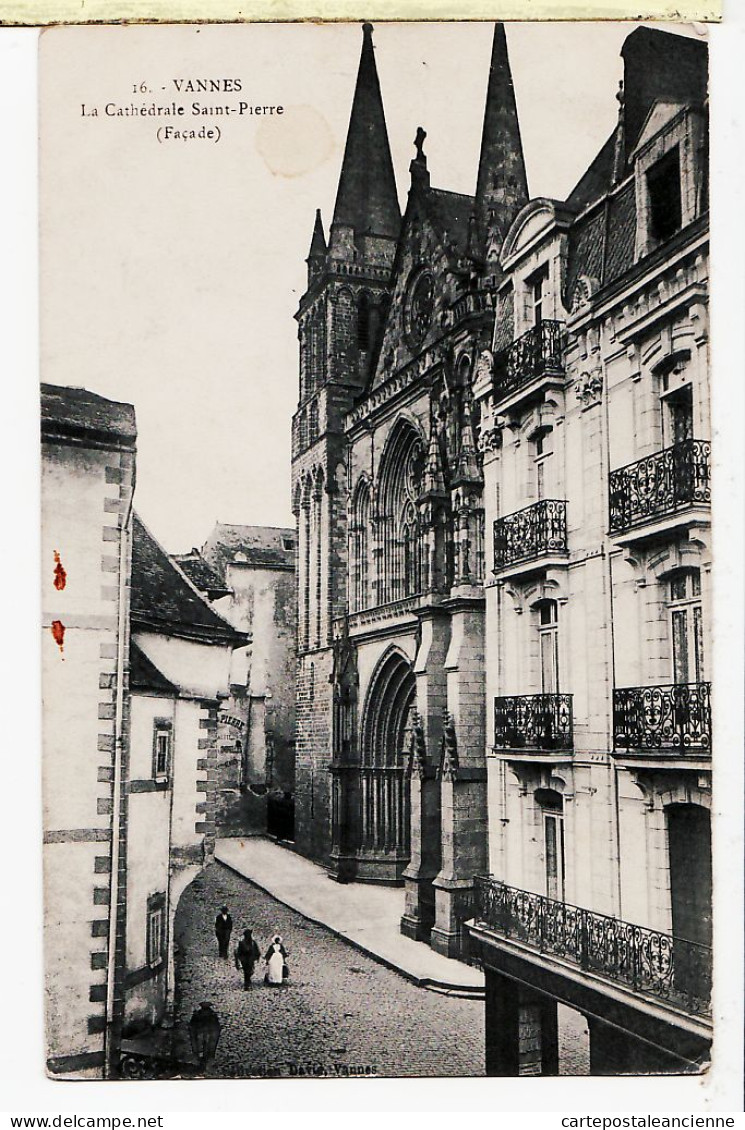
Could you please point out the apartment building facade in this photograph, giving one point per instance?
(593, 407)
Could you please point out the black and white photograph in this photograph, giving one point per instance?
(376, 487)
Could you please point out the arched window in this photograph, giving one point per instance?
(400, 486)
(313, 422)
(302, 430)
(686, 626)
(360, 548)
(551, 811)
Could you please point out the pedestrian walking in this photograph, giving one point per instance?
(247, 953)
(223, 930)
(204, 1032)
(277, 970)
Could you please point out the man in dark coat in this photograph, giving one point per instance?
(223, 930)
(204, 1032)
(247, 953)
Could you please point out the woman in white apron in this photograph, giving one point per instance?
(275, 959)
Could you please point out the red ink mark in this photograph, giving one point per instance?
(60, 576)
(58, 631)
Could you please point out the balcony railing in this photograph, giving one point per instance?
(533, 722)
(537, 530)
(661, 484)
(539, 352)
(646, 961)
(675, 718)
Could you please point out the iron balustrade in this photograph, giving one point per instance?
(646, 961)
(675, 718)
(660, 484)
(530, 533)
(535, 721)
(537, 353)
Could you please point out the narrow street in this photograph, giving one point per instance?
(341, 1013)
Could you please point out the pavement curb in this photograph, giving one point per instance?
(473, 992)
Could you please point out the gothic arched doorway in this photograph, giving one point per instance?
(384, 804)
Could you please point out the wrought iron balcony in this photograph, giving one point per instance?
(668, 719)
(538, 353)
(645, 961)
(533, 722)
(660, 485)
(536, 531)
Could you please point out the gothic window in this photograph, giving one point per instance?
(551, 813)
(360, 547)
(420, 307)
(686, 626)
(400, 486)
(363, 323)
(313, 422)
(412, 552)
(302, 431)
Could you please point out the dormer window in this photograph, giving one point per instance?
(665, 206)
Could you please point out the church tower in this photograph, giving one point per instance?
(339, 324)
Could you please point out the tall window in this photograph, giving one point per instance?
(537, 288)
(542, 452)
(677, 415)
(548, 639)
(162, 730)
(400, 486)
(156, 934)
(313, 422)
(412, 563)
(551, 810)
(663, 186)
(686, 628)
(363, 323)
(360, 548)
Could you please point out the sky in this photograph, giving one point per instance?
(171, 269)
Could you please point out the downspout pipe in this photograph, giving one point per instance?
(112, 1036)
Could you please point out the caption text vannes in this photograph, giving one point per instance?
(195, 108)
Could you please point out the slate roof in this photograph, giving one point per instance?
(77, 414)
(596, 180)
(260, 546)
(201, 575)
(165, 601)
(144, 675)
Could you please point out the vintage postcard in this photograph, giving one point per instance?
(376, 553)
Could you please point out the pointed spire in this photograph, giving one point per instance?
(318, 242)
(502, 186)
(366, 199)
(317, 254)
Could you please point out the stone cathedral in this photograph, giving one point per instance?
(388, 495)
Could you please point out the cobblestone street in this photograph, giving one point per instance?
(340, 1011)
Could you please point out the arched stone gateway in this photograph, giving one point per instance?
(371, 788)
